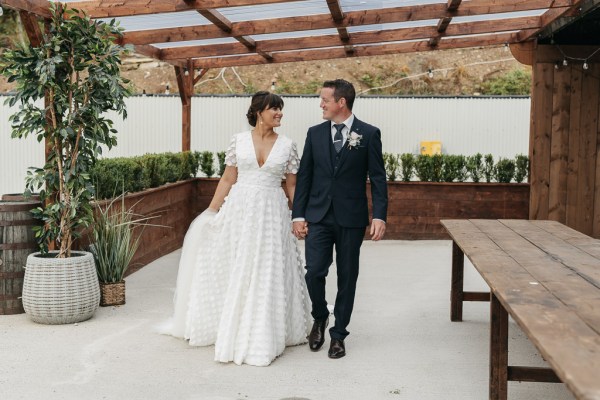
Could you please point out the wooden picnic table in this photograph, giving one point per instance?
(547, 277)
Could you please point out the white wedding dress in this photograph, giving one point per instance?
(241, 284)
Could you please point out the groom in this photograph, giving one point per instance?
(330, 206)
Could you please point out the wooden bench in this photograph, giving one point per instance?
(547, 277)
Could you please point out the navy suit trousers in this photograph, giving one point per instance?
(322, 237)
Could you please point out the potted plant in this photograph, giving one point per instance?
(114, 241)
(75, 71)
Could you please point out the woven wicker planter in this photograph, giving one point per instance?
(60, 290)
(112, 294)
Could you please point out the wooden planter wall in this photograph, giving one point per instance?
(416, 208)
(414, 212)
(564, 139)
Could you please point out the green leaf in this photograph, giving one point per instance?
(71, 44)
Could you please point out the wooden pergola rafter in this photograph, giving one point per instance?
(444, 22)
(354, 32)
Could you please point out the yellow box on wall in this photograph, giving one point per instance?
(431, 147)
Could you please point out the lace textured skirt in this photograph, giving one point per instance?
(241, 280)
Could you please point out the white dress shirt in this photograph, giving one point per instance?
(345, 130)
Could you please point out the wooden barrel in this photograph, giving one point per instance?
(17, 241)
(20, 197)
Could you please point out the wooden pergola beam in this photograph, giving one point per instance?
(358, 38)
(217, 18)
(225, 25)
(359, 51)
(201, 73)
(337, 14)
(336, 10)
(125, 8)
(550, 16)
(148, 50)
(324, 21)
(443, 23)
(32, 28)
(453, 5)
(441, 30)
(37, 7)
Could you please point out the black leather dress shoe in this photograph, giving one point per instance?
(337, 349)
(317, 334)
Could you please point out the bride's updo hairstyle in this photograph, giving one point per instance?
(262, 100)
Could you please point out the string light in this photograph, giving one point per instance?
(566, 58)
(430, 73)
(442, 70)
(556, 65)
(505, 46)
(186, 72)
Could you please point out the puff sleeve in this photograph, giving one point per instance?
(230, 156)
(293, 161)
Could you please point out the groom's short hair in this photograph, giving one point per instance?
(342, 88)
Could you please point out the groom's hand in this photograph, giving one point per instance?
(377, 229)
(300, 229)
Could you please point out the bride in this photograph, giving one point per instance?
(241, 284)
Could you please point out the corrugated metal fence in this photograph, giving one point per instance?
(499, 126)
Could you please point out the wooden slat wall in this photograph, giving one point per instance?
(414, 212)
(416, 208)
(540, 138)
(565, 106)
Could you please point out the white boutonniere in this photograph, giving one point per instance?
(354, 140)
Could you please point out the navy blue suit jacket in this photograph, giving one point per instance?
(319, 182)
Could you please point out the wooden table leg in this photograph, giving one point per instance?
(498, 350)
(456, 289)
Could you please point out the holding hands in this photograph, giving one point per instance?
(300, 229)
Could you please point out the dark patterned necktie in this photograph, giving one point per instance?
(338, 138)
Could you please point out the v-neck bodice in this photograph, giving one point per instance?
(268, 155)
(282, 159)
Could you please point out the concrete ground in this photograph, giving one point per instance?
(402, 345)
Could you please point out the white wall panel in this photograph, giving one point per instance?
(153, 125)
(499, 126)
(16, 155)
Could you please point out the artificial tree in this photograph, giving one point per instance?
(75, 72)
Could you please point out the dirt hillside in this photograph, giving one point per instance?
(453, 72)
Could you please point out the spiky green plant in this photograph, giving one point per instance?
(115, 238)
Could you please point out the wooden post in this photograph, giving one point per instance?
(456, 290)
(32, 28)
(185, 83)
(498, 350)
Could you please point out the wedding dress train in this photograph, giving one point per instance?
(241, 280)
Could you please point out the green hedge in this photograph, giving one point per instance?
(456, 168)
(114, 176)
